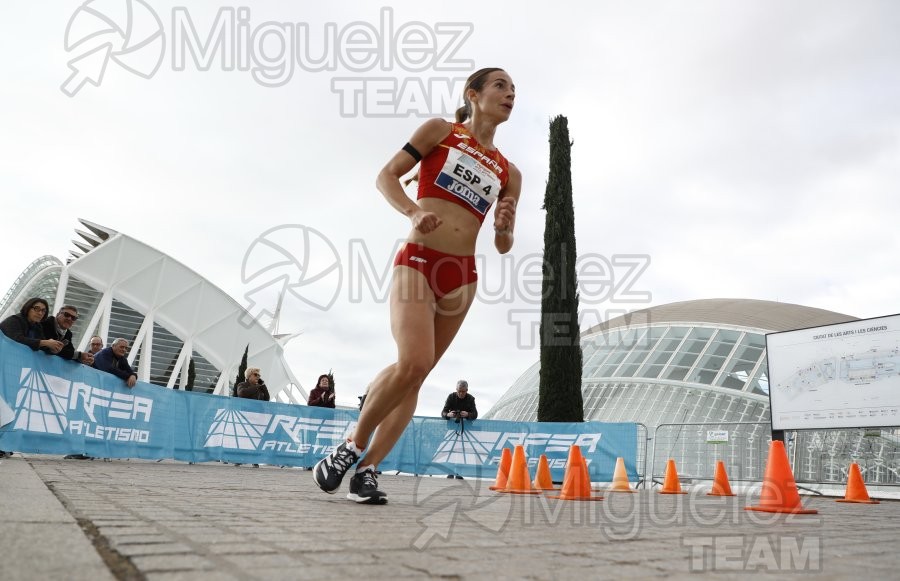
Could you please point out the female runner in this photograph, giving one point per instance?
(461, 175)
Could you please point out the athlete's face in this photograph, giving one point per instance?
(496, 97)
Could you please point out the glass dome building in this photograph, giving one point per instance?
(693, 361)
(684, 368)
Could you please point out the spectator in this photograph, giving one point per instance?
(29, 328)
(460, 404)
(322, 394)
(59, 328)
(112, 360)
(25, 327)
(96, 344)
(254, 387)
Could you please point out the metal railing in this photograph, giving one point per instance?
(643, 446)
(824, 456)
(24, 279)
(697, 447)
(817, 457)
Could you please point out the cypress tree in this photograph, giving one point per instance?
(242, 369)
(192, 374)
(559, 397)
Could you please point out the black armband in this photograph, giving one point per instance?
(412, 151)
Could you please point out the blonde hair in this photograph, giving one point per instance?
(251, 370)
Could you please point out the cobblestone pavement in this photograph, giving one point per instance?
(69, 519)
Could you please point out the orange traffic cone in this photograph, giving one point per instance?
(502, 470)
(576, 483)
(543, 480)
(779, 489)
(620, 478)
(671, 485)
(856, 488)
(721, 487)
(519, 482)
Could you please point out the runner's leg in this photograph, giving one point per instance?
(449, 314)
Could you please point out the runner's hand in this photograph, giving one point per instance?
(504, 214)
(425, 222)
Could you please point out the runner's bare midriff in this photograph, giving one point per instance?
(457, 232)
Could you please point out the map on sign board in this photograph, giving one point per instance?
(836, 376)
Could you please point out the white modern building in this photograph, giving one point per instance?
(692, 361)
(686, 369)
(169, 313)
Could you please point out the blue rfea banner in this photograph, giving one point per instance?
(52, 406)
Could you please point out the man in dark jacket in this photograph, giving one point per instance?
(113, 360)
(60, 328)
(460, 404)
(254, 387)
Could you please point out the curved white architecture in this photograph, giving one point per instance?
(39, 279)
(692, 361)
(697, 364)
(170, 314)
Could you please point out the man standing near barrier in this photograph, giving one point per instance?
(60, 328)
(460, 404)
(96, 344)
(112, 360)
(254, 387)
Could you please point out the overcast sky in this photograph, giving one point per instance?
(721, 149)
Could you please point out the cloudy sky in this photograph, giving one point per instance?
(721, 149)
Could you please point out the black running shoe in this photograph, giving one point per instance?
(330, 470)
(364, 488)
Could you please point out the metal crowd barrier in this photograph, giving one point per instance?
(817, 456)
(697, 447)
(824, 456)
(643, 444)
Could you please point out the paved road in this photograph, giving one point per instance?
(70, 519)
